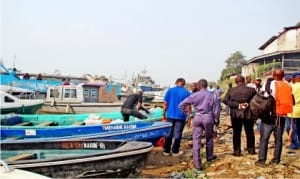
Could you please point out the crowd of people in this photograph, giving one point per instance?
(202, 106)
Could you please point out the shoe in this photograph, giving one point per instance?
(260, 163)
(212, 159)
(166, 154)
(237, 154)
(177, 154)
(252, 152)
(199, 169)
(274, 162)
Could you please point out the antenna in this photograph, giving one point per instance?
(14, 61)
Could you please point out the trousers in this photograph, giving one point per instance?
(265, 132)
(176, 131)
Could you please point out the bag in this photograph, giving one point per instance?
(283, 98)
(261, 105)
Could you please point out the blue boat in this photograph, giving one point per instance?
(9, 78)
(140, 131)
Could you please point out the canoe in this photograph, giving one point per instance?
(140, 131)
(72, 119)
(77, 158)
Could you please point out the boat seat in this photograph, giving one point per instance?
(78, 123)
(22, 157)
(24, 124)
(48, 123)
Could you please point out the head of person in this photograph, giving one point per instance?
(278, 74)
(229, 85)
(248, 79)
(257, 82)
(218, 87)
(288, 78)
(202, 83)
(180, 82)
(210, 86)
(240, 80)
(194, 87)
(296, 77)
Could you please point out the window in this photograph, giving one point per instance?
(54, 93)
(8, 99)
(70, 93)
(94, 94)
(86, 93)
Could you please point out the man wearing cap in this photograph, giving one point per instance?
(295, 115)
(132, 105)
(173, 115)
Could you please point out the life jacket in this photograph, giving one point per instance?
(283, 98)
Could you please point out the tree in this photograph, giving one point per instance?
(234, 64)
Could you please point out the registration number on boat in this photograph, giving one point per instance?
(94, 145)
(119, 127)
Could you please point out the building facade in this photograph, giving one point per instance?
(281, 51)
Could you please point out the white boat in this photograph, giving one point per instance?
(7, 172)
(12, 104)
(82, 98)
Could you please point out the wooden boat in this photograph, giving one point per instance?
(82, 98)
(140, 131)
(11, 104)
(77, 158)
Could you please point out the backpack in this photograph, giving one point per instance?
(261, 106)
(283, 98)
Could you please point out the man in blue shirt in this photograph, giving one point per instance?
(172, 113)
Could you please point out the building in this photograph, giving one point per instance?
(281, 51)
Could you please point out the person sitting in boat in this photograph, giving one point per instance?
(132, 105)
(26, 76)
(39, 77)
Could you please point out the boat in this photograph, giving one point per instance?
(12, 104)
(10, 78)
(82, 98)
(8, 172)
(140, 131)
(77, 158)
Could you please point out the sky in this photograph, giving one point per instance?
(119, 38)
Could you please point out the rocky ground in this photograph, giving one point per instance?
(227, 165)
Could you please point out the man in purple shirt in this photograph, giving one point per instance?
(207, 111)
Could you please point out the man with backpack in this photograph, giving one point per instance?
(274, 120)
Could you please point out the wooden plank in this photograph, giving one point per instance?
(78, 123)
(47, 123)
(24, 124)
(22, 157)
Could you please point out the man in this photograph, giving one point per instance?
(207, 111)
(211, 88)
(171, 111)
(238, 99)
(282, 93)
(194, 87)
(132, 105)
(294, 136)
(249, 82)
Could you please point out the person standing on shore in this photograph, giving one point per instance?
(238, 99)
(173, 115)
(207, 111)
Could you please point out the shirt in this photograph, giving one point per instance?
(132, 100)
(173, 97)
(296, 94)
(204, 102)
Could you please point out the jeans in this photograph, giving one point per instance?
(176, 131)
(265, 133)
(295, 139)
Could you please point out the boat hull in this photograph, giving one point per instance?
(140, 131)
(27, 109)
(119, 159)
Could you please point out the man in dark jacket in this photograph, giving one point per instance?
(132, 105)
(238, 99)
